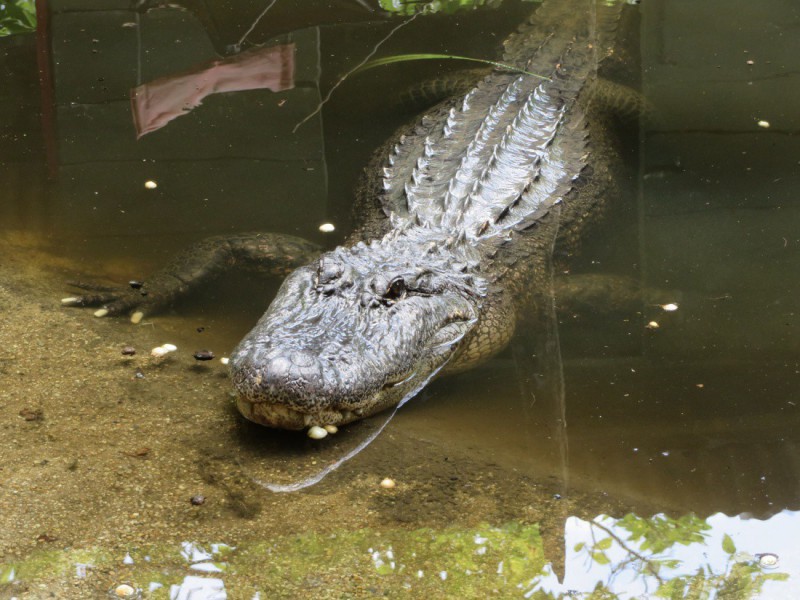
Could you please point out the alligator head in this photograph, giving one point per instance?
(359, 331)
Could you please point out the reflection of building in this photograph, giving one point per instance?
(233, 164)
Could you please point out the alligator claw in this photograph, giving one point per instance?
(110, 301)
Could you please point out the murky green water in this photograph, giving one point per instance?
(630, 452)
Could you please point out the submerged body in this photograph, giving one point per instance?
(459, 214)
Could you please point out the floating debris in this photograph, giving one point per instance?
(327, 227)
(768, 560)
(317, 433)
(150, 184)
(671, 307)
(203, 355)
(388, 483)
(128, 351)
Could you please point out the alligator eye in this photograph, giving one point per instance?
(396, 289)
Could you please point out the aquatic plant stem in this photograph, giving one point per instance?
(355, 69)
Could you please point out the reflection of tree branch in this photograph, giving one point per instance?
(630, 550)
(356, 68)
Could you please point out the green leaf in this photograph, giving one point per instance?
(388, 60)
(604, 544)
(580, 546)
(17, 16)
(600, 558)
(727, 544)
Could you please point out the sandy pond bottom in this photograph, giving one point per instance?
(151, 480)
(139, 473)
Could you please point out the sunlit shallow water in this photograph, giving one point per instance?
(612, 456)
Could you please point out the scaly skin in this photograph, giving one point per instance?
(459, 215)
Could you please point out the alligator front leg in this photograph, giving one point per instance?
(269, 253)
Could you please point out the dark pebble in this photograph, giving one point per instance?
(128, 351)
(30, 414)
(203, 355)
(197, 500)
(201, 329)
(135, 284)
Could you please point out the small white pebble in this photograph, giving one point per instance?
(224, 360)
(137, 317)
(124, 591)
(169, 347)
(158, 352)
(653, 325)
(764, 124)
(388, 484)
(327, 227)
(671, 307)
(101, 313)
(331, 429)
(317, 433)
(150, 184)
(128, 560)
(69, 301)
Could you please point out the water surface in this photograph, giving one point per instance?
(598, 449)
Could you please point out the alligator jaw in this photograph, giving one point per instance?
(280, 416)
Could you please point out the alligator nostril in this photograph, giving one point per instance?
(278, 368)
(297, 366)
(302, 359)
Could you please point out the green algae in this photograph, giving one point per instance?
(424, 562)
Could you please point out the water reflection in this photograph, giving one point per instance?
(627, 558)
(158, 102)
(698, 416)
(720, 556)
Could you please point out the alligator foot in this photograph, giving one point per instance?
(268, 253)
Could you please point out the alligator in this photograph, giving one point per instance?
(458, 216)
